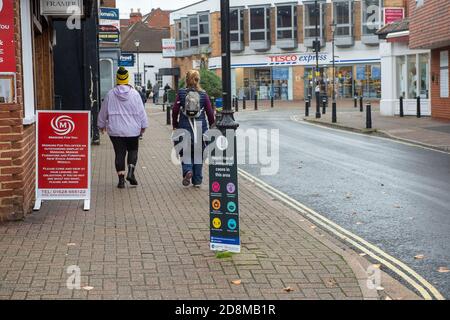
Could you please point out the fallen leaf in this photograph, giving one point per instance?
(376, 266)
(348, 195)
(362, 254)
(288, 289)
(71, 244)
(379, 288)
(443, 270)
(88, 288)
(419, 257)
(313, 227)
(359, 222)
(236, 282)
(388, 298)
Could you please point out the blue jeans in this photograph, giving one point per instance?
(195, 166)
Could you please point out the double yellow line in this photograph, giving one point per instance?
(426, 290)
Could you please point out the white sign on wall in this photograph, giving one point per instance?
(61, 8)
(168, 48)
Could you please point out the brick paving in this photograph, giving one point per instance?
(151, 242)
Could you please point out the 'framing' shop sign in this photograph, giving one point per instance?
(63, 156)
(60, 8)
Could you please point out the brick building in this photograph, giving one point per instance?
(272, 44)
(430, 29)
(20, 95)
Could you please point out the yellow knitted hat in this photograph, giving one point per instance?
(122, 76)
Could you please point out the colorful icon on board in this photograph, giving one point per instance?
(215, 187)
(231, 188)
(216, 204)
(232, 224)
(217, 223)
(231, 206)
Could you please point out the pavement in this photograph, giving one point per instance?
(152, 242)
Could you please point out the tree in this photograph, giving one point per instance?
(209, 81)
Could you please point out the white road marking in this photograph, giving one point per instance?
(419, 283)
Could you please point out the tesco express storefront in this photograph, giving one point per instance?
(289, 76)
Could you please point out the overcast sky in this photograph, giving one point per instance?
(147, 5)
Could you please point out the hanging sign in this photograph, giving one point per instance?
(126, 60)
(168, 48)
(65, 8)
(63, 161)
(223, 197)
(393, 15)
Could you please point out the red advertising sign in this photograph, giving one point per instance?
(393, 15)
(7, 46)
(63, 155)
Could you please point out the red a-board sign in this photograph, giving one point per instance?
(7, 45)
(63, 155)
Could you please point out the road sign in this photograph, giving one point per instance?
(63, 161)
(223, 193)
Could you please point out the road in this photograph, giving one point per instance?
(394, 195)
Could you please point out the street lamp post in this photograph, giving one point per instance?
(334, 112)
(137, 44)
(317, 49)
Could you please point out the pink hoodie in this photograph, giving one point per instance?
(122, 112)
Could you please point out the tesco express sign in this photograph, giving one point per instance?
(298, 59)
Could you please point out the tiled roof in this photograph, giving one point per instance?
(397, 26)
(150, 38)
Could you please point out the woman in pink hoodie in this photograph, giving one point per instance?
(123, 116)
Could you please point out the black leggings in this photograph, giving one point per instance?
(122, 145)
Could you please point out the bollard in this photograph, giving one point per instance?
(307, 104)
(243, 103)
(418, 107)
(368, 116)
(168, 120)
(361, 107)
(256, 102)
(333, 112)
(237, 105)
(164, 107)
(271, 101)
(324, 105)
(355, 102)
(402, 114)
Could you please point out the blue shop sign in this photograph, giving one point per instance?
(376, 73)
(126, 60)
(109, 14)
(361, 72)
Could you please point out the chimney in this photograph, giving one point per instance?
(135, 16)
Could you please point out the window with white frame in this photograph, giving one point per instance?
(259, 23)
(287, 21)
(310, 17)
(185, 32)
(343, 17)
(413, 76)
(236, 24)
(159, 80)
(203, 27)
(137, 79)
(371, 13)
(178, 35)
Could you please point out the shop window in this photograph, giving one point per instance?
(368, 81)
(371, 15)
(412, 77)
(203, 26)
(343, 17)
(137, 79)
(159, 80)
(401, 80)
(287, 22)
(260, 23)
(178, 35)
(424, 71)
(310, 19)
(185, 32)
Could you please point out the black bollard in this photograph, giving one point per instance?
(318, 115)
(256, 102)
(307, 104)
(333, 112)
(168, 120)
(419, 114)
(355, 102)
(271, 102)
(361, 107)
(243, 103)
(237, 104)
(324, 105)
(402, 114)
(368, 116)
(164, 107)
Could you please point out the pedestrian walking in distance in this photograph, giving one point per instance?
(192, 107)
(123, 116)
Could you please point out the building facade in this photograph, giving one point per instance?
(430, 29)
(272, 43)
